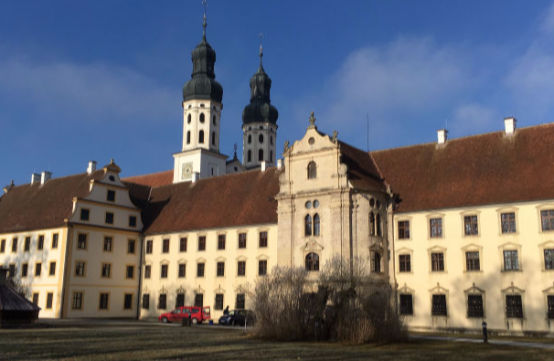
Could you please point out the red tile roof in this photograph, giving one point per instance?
(153, 179)
(361, 168)
(484, 169)
(36, 206)
(231, 200)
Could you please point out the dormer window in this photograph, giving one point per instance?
(110, 195)
(312, 170)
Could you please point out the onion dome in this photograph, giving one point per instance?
(202, 84)
(260, 109)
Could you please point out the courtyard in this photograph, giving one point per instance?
(135, 340)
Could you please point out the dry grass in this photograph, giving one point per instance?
(143, 341)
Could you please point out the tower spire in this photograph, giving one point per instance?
(261, 52)
(204, 19)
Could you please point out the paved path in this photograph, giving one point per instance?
(547, 346)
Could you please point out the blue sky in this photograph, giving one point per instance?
(82, 80)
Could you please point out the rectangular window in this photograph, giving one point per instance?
(110, 195)
(14, 245)
(109, 218)
(165, 245)
(221, 241)
(128, 301)
(77, 303)
(79, 269)
(508, 222)
(11, 270)
(27, 244)
(241, 269)
(162, 301)
(55, 241)
(82, 241)
(439, 305)
(38, 269)
(108, 244)
(199, 300)
(132, 221)
(510, 261)
(550, 311)
(104, 301)
(404, 263)
(406, 304)
(52, 269)
(3, 246)
(85, 214)
(131, 246)
(263, 239)
(35, 298)
(437, 262)
(262, 267)
(130, 272)
(202, 243)
(149, 246)
(435, 227)
(472, 261)
(147, 271)
(40, 243)
(470, 225)
(24, 269)
(549, 259)
(146, 301)
(514, 308)
(218, 301)
(239, 304)
(242, 240)
(49, 300)
(474, 306)
(220, 269)
(182, 270)
(403, 229)
(106, 270)
(200, 270)
(180, 300)
(547, 220)
(183, 244)
(163, 271)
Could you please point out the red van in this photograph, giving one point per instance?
(197, 314)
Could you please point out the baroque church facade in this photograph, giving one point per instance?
(462, 229)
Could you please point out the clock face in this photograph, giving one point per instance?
(187, 171)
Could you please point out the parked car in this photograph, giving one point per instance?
(197, 314)
(237, 317)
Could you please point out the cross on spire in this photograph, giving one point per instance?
(261, 52)
(204, 21)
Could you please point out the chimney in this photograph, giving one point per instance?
(442, 134)
(279, 163)
(45, 176)
(91, 167)
(263, 166)
(35, 178)
(195, 176)
(510, 125)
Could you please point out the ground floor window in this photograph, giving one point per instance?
(474, 306)
(77, 303)
(146, 301)
(199, 300)
(128, 301)
(514, 307)
(162, 301)
(180, 300)
(550, 299)
(104, 301)
(49, 300)
(218, 301)
(239, 304)
(406, 304)
(439, 305)
(312, 262)
(262, 267)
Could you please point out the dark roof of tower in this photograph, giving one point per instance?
(202, 84)
(260, 109)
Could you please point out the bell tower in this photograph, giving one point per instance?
(202, 96)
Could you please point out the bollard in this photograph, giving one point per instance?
(485, 335)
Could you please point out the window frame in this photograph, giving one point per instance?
(546, 217)
(470, 228)
(82, 241)
(403, 227)
(436, 230)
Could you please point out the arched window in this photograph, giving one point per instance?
(261, 155)
(308, 225)
(312, 170)
(378, 224)
(201, 136)
(261, 138)
(189, 118)
(270, 155)
(249, 138)
(202, 117)
(213, 138)
(371, 224)
(376, 262)
(316, 224)
(188, 137)
(312, 262)
(213, 119)
(249, 155)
